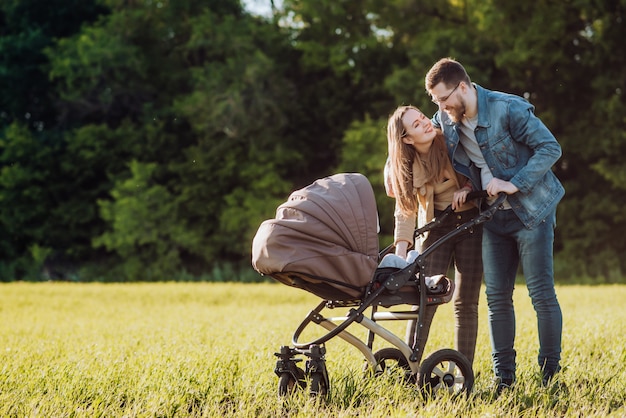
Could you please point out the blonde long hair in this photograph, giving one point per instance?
(404, 157)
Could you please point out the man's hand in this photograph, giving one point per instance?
(496, 186)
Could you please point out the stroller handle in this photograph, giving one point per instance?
(478, 194)
(483, 216)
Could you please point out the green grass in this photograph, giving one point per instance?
(206, 349)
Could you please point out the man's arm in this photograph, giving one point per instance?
(528, 129)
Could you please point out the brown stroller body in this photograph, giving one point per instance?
(324, 239)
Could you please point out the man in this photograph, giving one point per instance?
(496, 140)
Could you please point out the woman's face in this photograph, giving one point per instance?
(419, 132)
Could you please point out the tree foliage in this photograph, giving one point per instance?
(148, 140)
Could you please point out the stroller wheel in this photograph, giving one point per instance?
(287, 384)
(446, 371)
(391, 361)
(319, 386)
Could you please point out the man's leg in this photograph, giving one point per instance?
(536, 254)
(500, 262)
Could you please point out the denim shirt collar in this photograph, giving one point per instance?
(481, 100)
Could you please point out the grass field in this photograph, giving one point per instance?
(206, 349)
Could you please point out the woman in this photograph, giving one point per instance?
(421, 178)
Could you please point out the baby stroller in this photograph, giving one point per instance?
(324, 240)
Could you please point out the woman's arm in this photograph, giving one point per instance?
(402, 248)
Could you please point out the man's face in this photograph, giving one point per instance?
(449, 100)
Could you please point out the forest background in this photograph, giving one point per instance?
(147, 140)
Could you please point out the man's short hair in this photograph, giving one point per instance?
(446, 71)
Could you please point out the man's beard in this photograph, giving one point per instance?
(456, 113)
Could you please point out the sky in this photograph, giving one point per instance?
(260, 7)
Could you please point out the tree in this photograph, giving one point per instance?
(340, 67)
(27, 27)
(33, 188)
(204, 105)
(364, 150)
(154, 137)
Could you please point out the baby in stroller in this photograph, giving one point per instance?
(324, 239)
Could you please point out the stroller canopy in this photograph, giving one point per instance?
(327, 229)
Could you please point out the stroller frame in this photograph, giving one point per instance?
(444, 370)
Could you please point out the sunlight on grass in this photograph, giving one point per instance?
(202, 349)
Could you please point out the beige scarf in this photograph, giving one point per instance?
(425, 194)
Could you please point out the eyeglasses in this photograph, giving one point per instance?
(443, 99)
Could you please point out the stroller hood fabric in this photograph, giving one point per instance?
(327, 229)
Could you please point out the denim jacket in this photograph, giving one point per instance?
(518, 148)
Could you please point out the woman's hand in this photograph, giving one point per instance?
(459, 198)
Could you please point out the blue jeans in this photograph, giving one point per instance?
(506, 244)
